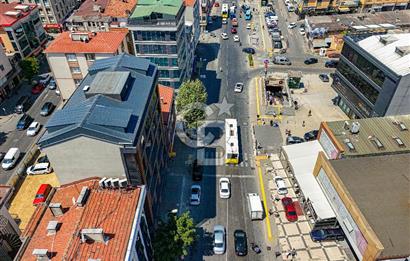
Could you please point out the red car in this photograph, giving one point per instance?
(290, 210)
(234, 31)
(37, 89)
(42, 194)
(216, 4)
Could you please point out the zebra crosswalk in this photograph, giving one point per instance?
(217, 158)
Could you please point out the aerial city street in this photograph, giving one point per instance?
(205, 130)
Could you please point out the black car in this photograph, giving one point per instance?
(294, 140)
(196, 171)
(331, 64)
(248, 50)
(47, 109)
(324, 77)
(241, 244)
(24, 122)
(311, 60)
(311, 135)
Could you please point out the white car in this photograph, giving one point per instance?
(292, 25)
(302, 31)
(224, 36)
(224, 21)
(281, 185)
(238, 87)
(33, 128)
(52, 85)
(219, 240)
(39, 168)
(248, 26)
(195, 195)
(224, 188)
(236, 38)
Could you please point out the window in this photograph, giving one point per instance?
(75, 69)
(71, 57)
(90, 56)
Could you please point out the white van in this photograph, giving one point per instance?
(10, 159)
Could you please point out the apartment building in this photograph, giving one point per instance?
(111, 127)
(384, 5)
(21, 31)
(9, 74)
(110, 217)
(72, 53)
(100, 15)
(158, 34)
(192, 31)
(373, 76)
(168, 114)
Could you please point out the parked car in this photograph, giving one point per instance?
(42, 194)
(24, 122)
(311, 60)
(224, 36)
(52, 85)
(282, 60)
(23, 104)
(290, 210)
(248, 50)
(241, 243)
(236, 38)
(45, 79)
(281, 185)
(219, 240)
(324, 77)
(327, 234)
(311, 135)
(248, 26)
(47, 109)
(302, 31)
(39, 168)
(196, 171)
(224, 188)
(10, 159)
(292, 25)
(293, 140)
(33, 128)
(195, 195)
(37, 89)
(331, 64)
(233, 30)
(238, 87)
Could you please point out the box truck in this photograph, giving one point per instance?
(255, 206)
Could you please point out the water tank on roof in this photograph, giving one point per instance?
(355, 127)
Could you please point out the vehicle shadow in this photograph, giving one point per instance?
(3, 137)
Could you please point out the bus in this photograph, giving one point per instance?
(231, 141)
(248, 14)
(225, 11)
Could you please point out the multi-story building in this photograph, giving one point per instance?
(192, 31)
(107, 222)
(111, 126)
(54, 12)
(21, 31)
(384, 5)
(9, 74)
(168, 115)
(71, 54)
(373, 75)
(204, 9)
(100, 15)
(314, 7)
(158, 32)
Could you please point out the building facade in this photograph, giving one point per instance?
(315, 7)
(385, 5)
(373, 77)
(21, 31)
(9, 74)
(192, 31)
(168, 115)
(111, 127)
(71, 54)
(158, 34)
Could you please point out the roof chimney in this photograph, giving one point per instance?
(56, 209)
(41, 254)
(93, 234)
(52, 227)
(82, 198)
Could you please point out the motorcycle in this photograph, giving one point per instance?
(256, 248)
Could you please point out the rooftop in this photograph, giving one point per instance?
(381, 135)
(100, 42)
(11, 13)
(382, 195)
(147, 7)
(120, 8)
(110, 112)
(387, 51)
(166, 95)
(90, 8)
(112, 210)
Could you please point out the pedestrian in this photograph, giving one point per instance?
(289, 254)
(303, 123)
(270, 212)
(310, 113)
(293, 252)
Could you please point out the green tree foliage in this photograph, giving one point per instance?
(173, 239)
(190, 101)
(30, 67)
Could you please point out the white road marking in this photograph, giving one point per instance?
(213, 176)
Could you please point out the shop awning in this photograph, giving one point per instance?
(344, 9)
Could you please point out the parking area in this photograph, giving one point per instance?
(295, 235)
(21, 207)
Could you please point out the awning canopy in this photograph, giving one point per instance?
(344, 9)
(302, 157)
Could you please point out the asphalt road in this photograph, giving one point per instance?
(10, 137)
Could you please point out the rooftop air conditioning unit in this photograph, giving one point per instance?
(94, 234)
(56, 209)
(82, 198)
(52, 227)
(107, 183)
(41, 254)
(355, 127)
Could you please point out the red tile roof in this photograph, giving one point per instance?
(7, 20)
(166, 95)
(111, 210)
(190, 2)
(87, 8)
(102, 42)
(119, 8)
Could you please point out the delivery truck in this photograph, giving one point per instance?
(255, 206)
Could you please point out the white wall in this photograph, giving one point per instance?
(62, 74)
(84, 157)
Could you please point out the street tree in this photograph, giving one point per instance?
(190, 102)
(30, 67)
(173, 238)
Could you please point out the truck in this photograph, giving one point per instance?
(255, 206)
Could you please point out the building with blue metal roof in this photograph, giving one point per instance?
(111, 126)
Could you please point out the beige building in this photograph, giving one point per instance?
(71, 54)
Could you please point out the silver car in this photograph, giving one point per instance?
(219, 240)
(195, 195)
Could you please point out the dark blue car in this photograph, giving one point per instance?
(24, 122)
(327, 234)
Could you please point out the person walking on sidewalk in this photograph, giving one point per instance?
(310, 113)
